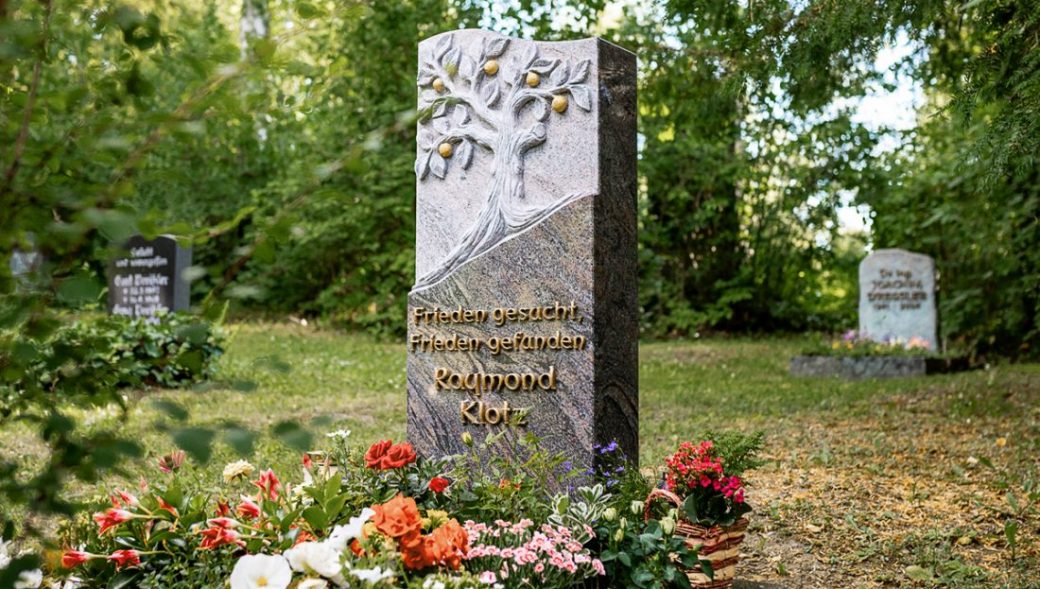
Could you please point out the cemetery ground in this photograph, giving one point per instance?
(913, 482)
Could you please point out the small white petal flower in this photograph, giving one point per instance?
(340, 433)
(372, 576)
(342, 535)
(312, 583)
(237, 469)
(315, 558)
(29, 579)
(254, 571)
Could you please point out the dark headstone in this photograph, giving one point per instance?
(149, 279)
(523, 318)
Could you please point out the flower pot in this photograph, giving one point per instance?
(719, 545)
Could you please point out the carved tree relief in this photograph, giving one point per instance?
(467, 103)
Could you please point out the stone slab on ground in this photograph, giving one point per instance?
(865, 367)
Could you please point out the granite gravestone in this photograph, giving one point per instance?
(523, 317)
(149, 279)
(897, 297)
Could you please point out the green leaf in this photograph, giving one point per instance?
(308, 10)
(172, 409)
(316, 517)
(196, 441)
(79, 290)
(124, 580)
(292, 435)
(241, 440)
(918, 574)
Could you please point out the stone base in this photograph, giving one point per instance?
(865, 367)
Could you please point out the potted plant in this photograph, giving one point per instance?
(704, 482)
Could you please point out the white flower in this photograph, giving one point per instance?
(342, 535)
(237, 469)
(261, 570)
(29, 579)
(70, 583)
(315, 558)
(340, 433)
(5, 555)
(312, 583)
(372, 576)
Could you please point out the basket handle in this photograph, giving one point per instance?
(659, 494)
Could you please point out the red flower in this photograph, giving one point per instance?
(386, 455)
(219, 533)
(268, 484)
(307, 462)
(123, 499)
(375, 454)
(111, 518)
(247, 509)
(223, 508)
(439, 484)
(167, 507)
(124, 558)
(74, 558)
(399, 455)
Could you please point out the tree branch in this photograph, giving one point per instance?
(30, 103)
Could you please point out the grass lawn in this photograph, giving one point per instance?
(870, 484)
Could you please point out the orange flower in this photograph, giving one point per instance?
(415, 551)
(397, 517)
(448, 544)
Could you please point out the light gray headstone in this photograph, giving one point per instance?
(897, 297)
(531, 214)
(149, 278)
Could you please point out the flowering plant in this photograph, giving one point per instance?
(380, 516)
(856, 344)
(524, 555)
(709, 481)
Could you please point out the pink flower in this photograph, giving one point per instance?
(247, 509)
(172, 461)
(74, 558)
(124, 558)
(268, 484)
(111, 518)
(167, 507)
(488, 578)
(123, 499)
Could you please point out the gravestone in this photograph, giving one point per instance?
(149, 279)
(523, 317)
(897, 297)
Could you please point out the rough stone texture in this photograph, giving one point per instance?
(897, 297)
(150, 278)
(545, 212)
(865, 367)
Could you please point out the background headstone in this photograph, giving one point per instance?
(523, 318)
(149, 278)
(897, 297)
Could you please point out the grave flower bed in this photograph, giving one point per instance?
(380, 517)
(855, 356)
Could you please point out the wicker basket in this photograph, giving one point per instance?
(719, 545)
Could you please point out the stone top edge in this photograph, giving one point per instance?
(894, 251)
(485, 32)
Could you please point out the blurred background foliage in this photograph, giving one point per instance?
(277, 138)
(275, 134)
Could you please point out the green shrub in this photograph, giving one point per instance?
(117, 352)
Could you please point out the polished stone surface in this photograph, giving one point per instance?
(149, 278)
(897, 297)
(536, 210)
